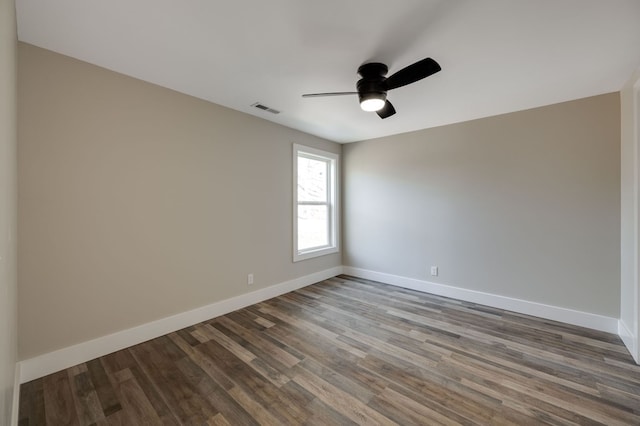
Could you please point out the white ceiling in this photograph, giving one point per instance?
(497, 56)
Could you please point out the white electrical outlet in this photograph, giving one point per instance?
(250, 279)
(434, 271)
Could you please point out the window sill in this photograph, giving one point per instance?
(310, 254)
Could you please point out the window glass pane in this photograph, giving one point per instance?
(312, 179)
(313, 227)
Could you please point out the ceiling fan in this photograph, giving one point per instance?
(373, 86)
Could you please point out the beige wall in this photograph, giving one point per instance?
(137, 202)
(524, 205)
(8, 207)
(629, 233)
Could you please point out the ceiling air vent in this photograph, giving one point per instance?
(265, 108)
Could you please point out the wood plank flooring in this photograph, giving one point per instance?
(351, 351)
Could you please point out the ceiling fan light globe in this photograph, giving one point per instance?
(372, 104)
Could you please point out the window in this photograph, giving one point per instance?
(315, 202)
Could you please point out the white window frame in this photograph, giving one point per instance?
(333, 197)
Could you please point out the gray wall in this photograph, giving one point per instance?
(137, 202)
(524, 205)
(8, 207)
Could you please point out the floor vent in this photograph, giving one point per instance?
(265, 108)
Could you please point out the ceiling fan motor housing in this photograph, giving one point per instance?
(372, 81)
(373, 70)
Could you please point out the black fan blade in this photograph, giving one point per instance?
(412, 73)
(317, 95)
(387, 110)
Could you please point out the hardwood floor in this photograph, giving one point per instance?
(351, 351)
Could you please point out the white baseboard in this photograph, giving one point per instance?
(15, 406)
(51, 362)
(555, 313)
(629, 339)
